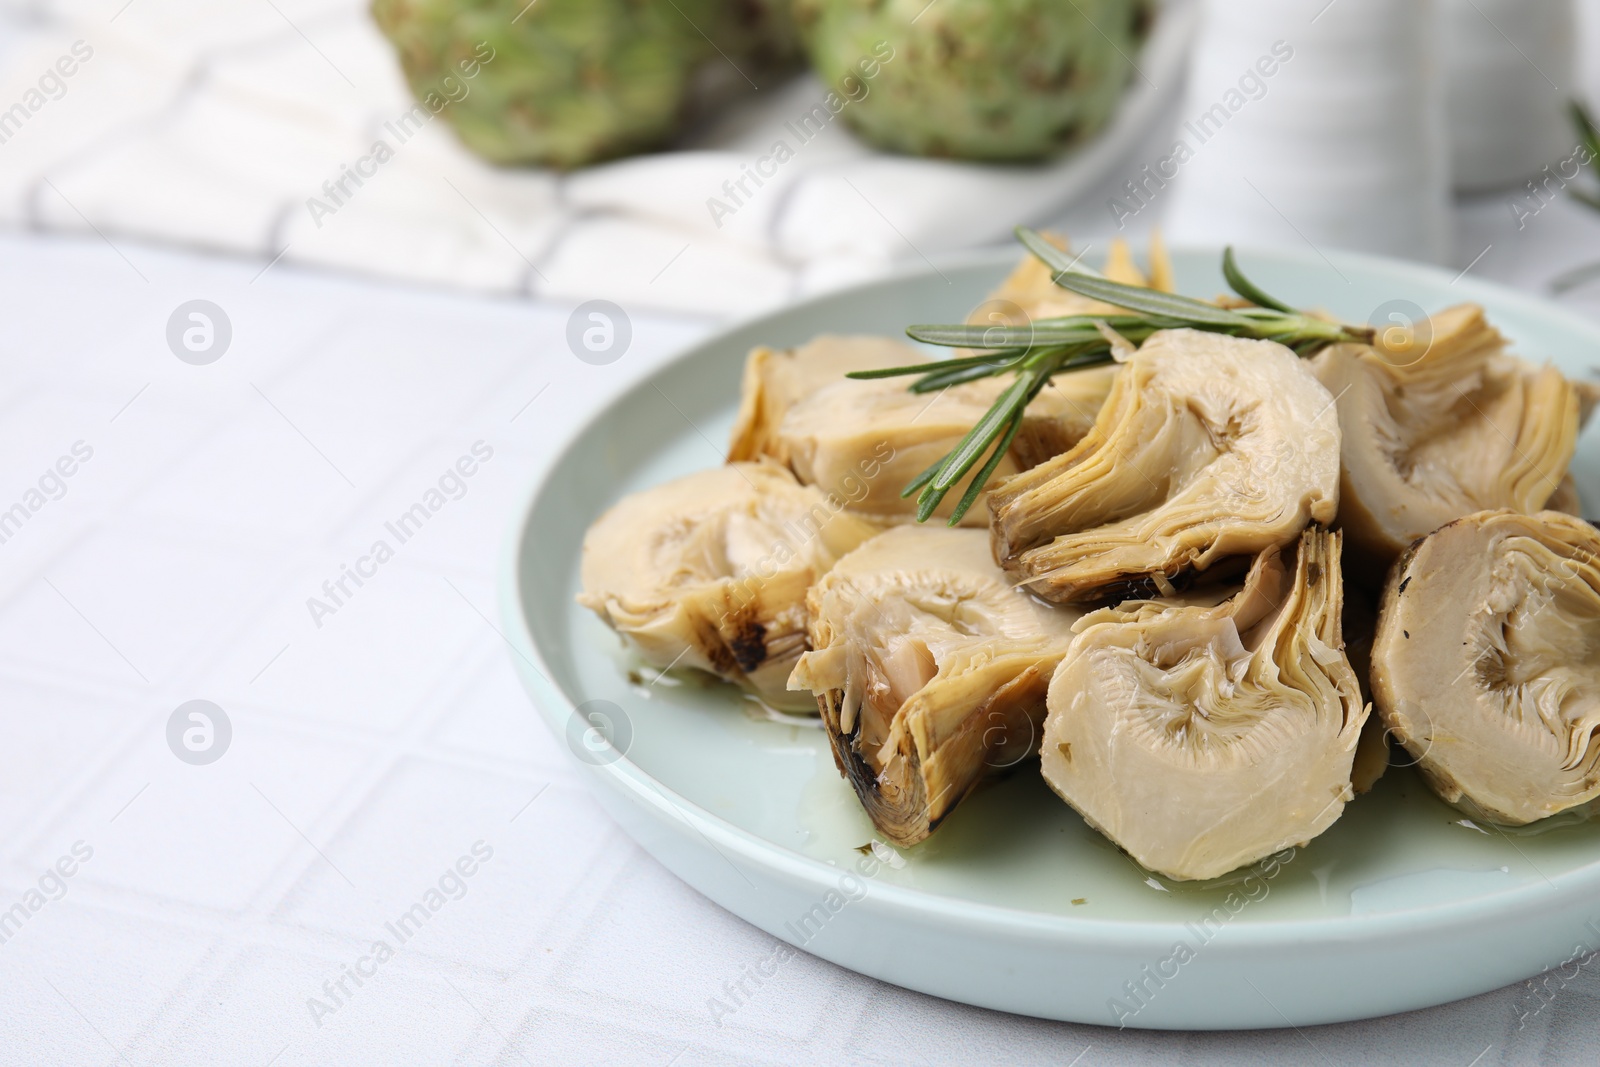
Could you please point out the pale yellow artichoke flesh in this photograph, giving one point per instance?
(1565, 498)
(930, 672)
(864, 441)
(1203, 737)
(1209, 448)
(1487, 663)
(1441, 423)
(776, 379)
(710, 572)
(861, 442)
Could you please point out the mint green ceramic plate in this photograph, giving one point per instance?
(1015, 904)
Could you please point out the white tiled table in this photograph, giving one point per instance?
(371, 752)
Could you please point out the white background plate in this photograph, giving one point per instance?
(1400, 905)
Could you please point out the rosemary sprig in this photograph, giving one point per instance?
(1589, 136)
(1248, 289)
(1037, 352)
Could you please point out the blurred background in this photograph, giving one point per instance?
(273, 269)
(769, 149)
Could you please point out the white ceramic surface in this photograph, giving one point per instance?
(1316, 122)
(1015, 904)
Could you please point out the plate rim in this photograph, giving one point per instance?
(642, 789)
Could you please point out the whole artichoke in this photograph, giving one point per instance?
(569, 82)
(1003, 80)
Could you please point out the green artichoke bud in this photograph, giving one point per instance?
(569, 82)
(1002, 80)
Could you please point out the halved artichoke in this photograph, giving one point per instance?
(711, 570)
(1487, 663)
(1438, 423)
(1202, 736)
(862, 441)
(930, 671)
(1209, 447)
(777, 379)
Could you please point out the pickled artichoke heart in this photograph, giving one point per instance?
(710, 571)
(1487, 663)
(930, 671)
(1432, 436)
(862, 441)
(1201, 738)
(1209, 447)
(777, 379)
